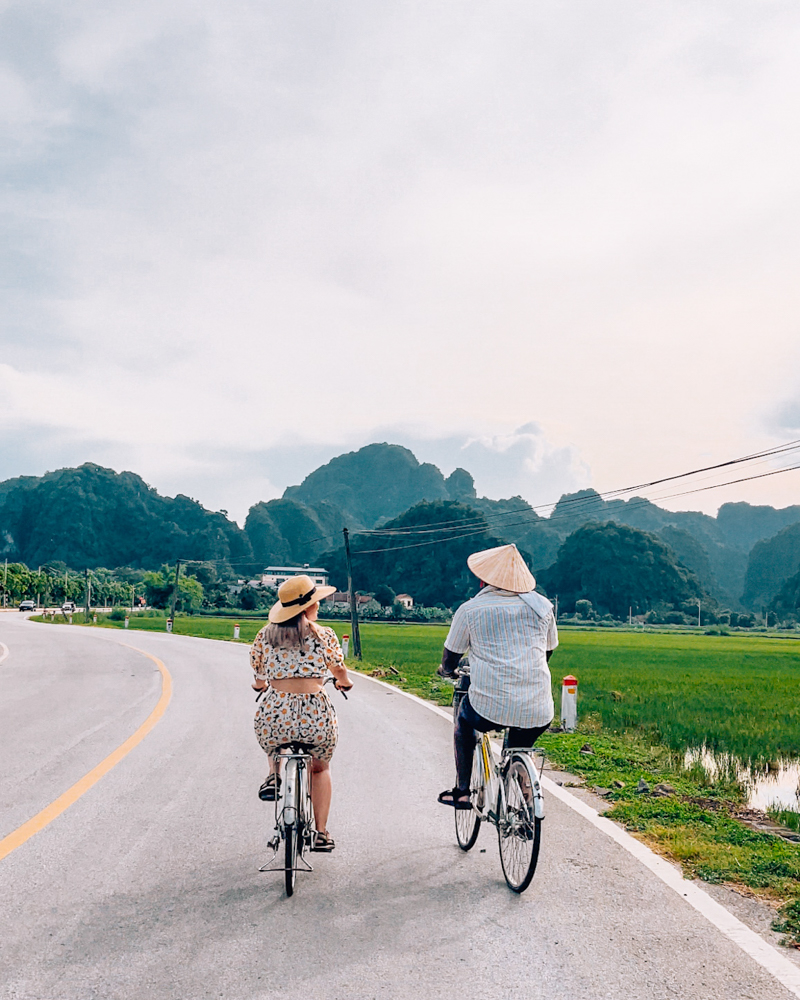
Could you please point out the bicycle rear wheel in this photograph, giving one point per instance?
(519, 831)
(468, 822)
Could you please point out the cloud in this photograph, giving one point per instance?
(234, 227)
(786, 419)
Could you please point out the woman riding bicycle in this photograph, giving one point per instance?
(291, 657)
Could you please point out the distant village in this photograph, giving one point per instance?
(338, 603)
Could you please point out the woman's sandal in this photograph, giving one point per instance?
(323, 842)
(458, 798)
(269, 790)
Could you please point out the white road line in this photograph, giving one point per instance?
(752, 944)
(4, 653)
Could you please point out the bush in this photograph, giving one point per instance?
(118, 615)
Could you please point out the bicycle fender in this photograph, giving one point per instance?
(538, 801)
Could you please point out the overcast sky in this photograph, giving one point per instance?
(555, 243)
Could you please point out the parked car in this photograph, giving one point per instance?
(68, 607)
(27, 605)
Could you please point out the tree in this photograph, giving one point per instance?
(583, 608)
(248, 599)
(384, 595)
(158, 589)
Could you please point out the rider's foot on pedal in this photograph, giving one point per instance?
(269, 790)
(323, 842)
(458, 798)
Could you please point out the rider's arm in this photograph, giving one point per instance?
(456, 643)
(449, 663)
(334, 661)
(257, 663)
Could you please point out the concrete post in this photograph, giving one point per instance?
(236, 631)
(345, 645)
(127, 621)
(569, 703)
(169, 624)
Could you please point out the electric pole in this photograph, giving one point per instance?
(87, 590)
(5, 583)
(175, 590)
(351, 592)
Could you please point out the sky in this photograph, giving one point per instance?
(553, 243)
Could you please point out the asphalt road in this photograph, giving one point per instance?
(148, 886)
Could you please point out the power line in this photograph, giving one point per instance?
(546, 521)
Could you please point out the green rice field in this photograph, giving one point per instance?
(734, 693)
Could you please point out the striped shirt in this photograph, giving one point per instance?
(507, 636)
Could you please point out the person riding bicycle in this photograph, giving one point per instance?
(291, 657)
(510, 633)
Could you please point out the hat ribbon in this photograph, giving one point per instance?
(299, 600)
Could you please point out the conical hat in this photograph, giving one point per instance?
(502, 567)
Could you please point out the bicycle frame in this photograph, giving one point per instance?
(493, 790)
(296, 775)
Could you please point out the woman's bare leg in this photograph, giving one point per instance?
(321, 793)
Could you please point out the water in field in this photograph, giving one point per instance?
(776, 786)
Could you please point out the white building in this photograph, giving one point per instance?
(406, 600)
(274, 576)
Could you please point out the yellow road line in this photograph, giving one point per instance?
(63, 802)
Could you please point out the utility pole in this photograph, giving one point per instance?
(87, 590)
(698, 614)
(351, 592)
(5, 583)
(630, 617)
(175, 590)
(556, 608)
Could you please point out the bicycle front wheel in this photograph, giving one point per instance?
(519, 831)
(291, 831)
(468, 822)
(290, 858)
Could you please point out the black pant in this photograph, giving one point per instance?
(465, 740)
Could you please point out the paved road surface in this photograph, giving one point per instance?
(148, 885)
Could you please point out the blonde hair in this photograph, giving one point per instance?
(291, 634)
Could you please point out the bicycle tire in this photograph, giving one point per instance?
(291, 837)
(468, 822)
(290, 858)
(519, 831)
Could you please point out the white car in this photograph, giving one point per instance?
(68, 607)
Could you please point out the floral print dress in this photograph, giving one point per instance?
(287, 716)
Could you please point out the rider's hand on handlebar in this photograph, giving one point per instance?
(342, 687)
(447, 674)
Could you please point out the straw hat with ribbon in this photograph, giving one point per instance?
(502, 567)
(295, 595)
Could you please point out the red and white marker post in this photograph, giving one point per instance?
(569, 703)
(236, 631)
(345, 644)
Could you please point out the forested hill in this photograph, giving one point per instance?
(92, 516)
(378, 482)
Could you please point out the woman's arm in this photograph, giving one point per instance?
(334, 660)
(257, 663)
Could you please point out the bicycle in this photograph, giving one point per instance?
(294, 813)
(508, 794)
